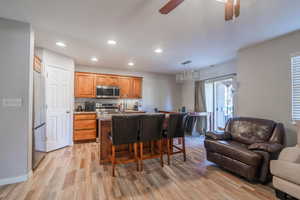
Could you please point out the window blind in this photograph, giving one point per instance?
(295, 87)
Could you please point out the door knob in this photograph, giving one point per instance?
(68, 112)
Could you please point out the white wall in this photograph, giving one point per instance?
(188, 95)
(223, 69)
(264, 81)
(159, 90)
(188, 87)
(16, 51)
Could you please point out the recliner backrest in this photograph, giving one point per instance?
(250, 130)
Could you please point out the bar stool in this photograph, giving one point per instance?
(176, 129)
(125, 130)
(151, 127)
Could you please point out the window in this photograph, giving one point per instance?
(295, 62)
(219, 95)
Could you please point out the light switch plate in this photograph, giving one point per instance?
(12, 102)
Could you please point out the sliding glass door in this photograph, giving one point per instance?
(220, 101)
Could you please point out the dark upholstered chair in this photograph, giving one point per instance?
(151, 127)
(246, 147)
(176, 129)
(125, 130)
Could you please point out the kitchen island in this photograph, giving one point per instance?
(85, 125)
(104, 129)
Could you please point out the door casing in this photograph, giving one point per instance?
(66, 77)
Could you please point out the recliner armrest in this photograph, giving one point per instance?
(286, 170)
(290, 154)
(268, 147)
(218, 135)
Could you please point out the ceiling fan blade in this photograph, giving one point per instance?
(237, 8)
(229, 10)
(172, 4)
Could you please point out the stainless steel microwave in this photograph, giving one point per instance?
(107, 92)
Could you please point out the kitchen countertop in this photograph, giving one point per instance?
(94, 112)
(84, 112)
(107, 117)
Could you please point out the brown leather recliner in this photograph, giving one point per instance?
(246, 147)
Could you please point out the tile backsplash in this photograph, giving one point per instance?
(130, 102)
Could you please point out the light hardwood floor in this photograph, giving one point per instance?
(75, 173)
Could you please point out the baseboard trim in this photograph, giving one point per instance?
(16, 179)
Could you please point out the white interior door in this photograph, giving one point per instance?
(58, 100)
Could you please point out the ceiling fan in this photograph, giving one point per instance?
(171, 5)
(232, 8)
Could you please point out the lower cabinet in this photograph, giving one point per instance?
(85, 127)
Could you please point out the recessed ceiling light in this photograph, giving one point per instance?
(111, 42)
(61, 44)
(131, 64)
(158, 50)
(94, 59)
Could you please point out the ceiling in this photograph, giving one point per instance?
(196, 30)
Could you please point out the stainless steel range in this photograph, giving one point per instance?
(107, 108)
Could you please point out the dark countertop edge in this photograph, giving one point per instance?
(94, 112)
(82, 113)
(103, 119)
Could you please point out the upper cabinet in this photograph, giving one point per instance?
(125, 85)
(137, 88)
(106, 80)
(85, 85)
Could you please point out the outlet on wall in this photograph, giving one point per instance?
(12, 102)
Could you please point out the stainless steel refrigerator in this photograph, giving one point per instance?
(39, 118)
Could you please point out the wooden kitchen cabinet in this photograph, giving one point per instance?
(136, 88)
(105, 80)
(85, 124)
(125, 85)
(85, 127)
(85, 85)
(131, 87)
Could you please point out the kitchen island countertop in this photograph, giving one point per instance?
(108, 117)
(85, 112)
